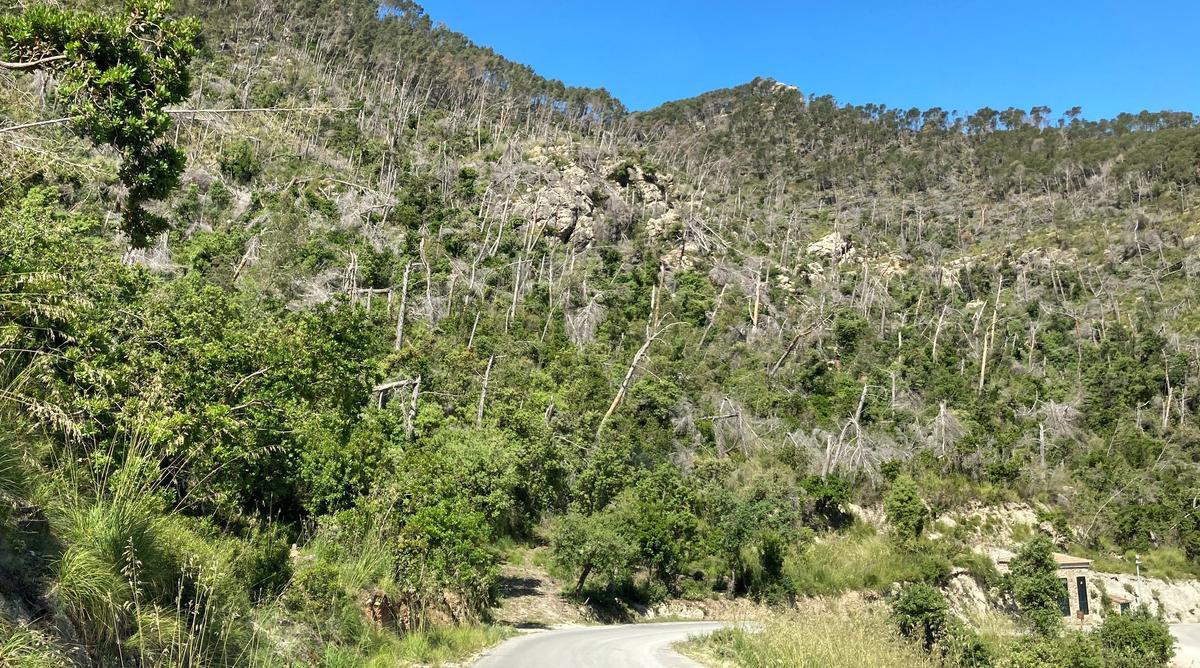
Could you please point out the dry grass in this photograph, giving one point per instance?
(861, 639)
(861, 560)
(438, 646)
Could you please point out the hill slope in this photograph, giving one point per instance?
(430, 303)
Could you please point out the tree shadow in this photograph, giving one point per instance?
(517, 587)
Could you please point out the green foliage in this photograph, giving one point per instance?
(921, 613)
(905, 509)
(828, 496)
(265, 565)
(315, 591)
(116, 77)
(1122, 641)
(593, 545)
(1135, 639)
(1035, 587)
(23, 647)
(239, 161)
(863, 560)
(859, 639)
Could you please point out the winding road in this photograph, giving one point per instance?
(625, 646)
(1187, 645)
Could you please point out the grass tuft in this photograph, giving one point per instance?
(862, 639)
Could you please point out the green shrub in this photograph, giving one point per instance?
(587, 545)
(905, 509)
(239, 161)
(264, 567)
(1035, 586)
(1137, 639)
(315, 590)
(921, 613)
(862, 561)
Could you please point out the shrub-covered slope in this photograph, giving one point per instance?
(413, 301)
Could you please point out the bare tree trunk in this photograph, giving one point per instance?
(937, 331)
(624, 388)
(1042, 444)
(412, 409)
(487, 373)
(428, 284)
(712, 317)
(403, 308)
(989, 338)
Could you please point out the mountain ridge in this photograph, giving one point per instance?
(418, 310)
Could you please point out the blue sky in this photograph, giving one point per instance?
(1104, 55)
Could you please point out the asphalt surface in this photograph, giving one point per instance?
(625, 646)
(1187, 645)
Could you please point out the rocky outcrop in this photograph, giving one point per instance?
(832, 246)
(1179, 601)
(967, 597)
(564, 204)
(995, 530)
(564, 209)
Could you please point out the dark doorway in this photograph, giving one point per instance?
(1081, 585)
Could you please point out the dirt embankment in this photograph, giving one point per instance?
(530, 598)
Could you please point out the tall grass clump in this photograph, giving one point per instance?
(860, 560)
(435, 646)
(137, 578)
(23, 647)
(862, 639)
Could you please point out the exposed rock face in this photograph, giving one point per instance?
(995, 530)
(576, 204)
(579, 205)
(564, 204)
(564, 209)
(967, 598)
(832, 246)
(1178, 601)
(377, 608)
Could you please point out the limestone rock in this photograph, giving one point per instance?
(832, 245)
(1178, 601)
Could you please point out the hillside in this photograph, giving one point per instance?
(401, 309)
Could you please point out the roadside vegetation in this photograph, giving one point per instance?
(312, 312)
(861, 639)
(914, 626)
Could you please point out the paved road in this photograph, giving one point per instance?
(1187, 647)
(626, 646)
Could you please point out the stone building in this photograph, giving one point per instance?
(1076, 600)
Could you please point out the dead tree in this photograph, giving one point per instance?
(651, 336)
(403, 308)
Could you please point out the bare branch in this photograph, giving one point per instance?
(27, 126)
(24, 67)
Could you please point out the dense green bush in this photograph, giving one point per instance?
(906, 510)
(921, 613)
(1135, 639)
(264, 565)
(593, 545)
(239, 161)
(1035, 587)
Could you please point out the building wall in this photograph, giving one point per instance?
(1071, 575)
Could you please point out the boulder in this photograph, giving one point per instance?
(832, 245)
